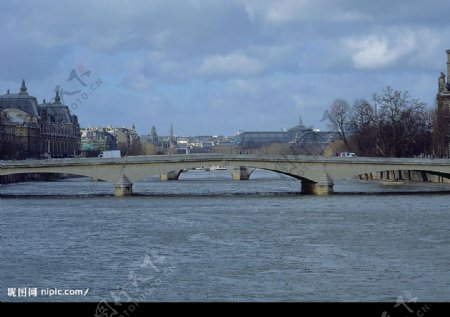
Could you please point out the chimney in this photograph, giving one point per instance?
(448, 66)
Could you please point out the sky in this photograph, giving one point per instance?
(213, 67)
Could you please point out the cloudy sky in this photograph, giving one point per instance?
(219, 66)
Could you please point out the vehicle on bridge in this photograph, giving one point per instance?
(346, 154)
(217, 168)
(110, 154)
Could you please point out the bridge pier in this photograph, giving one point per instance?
(239, 173)
(170, 176)
(121, 190)
(323, 187)
(123, 187)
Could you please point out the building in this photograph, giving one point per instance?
(301, 139)
(32, 130)
(128, 141)
(96, 140)
(441, 129)
(257, 139)
(19, 134)
(60, 131)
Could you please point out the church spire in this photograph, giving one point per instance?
(23, 88)
(153, 134)
(300, 121)
(171, 137)
(57, 98)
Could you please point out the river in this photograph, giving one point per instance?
(208, 238)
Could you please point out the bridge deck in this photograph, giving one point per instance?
(223, 157)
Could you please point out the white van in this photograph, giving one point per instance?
(347, 154)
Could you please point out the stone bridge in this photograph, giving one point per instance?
(317, 173)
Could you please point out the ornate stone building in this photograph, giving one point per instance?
(30, 130)
(19, 134)
(441, 131)
(60, 131)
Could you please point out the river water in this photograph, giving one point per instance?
(208, 238)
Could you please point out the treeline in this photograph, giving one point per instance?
(391, 124)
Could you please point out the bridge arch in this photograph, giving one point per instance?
(149, 172)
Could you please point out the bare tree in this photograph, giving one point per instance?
(392, 125)
(363, 127)
(334, 147)
(148, 149)
(339, 115)
(402, 122)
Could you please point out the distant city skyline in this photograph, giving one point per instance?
(216, 67)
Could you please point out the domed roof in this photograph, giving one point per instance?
(21, 101)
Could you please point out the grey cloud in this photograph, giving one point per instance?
(207, 60)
